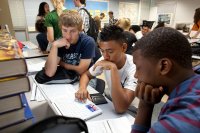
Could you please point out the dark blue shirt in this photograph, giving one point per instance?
(83, 49)
(181, 113)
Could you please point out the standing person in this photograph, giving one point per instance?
(51, 20)
(73, 52)
(40, 27)
(196, 26)
(112, 20)
(117, 68)
(81, 4)
(124, 23)
(102, 16)
(164, 66)
(42, 11)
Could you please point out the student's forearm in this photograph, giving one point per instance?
(52, 61)
(50, 34)
(84, 80)
(78, 68)
(119, 98)
(144, 114)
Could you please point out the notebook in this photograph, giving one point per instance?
(72, 108)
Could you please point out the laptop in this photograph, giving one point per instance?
(71, 108)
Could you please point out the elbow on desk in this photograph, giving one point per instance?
(49, 74)
(120, 110)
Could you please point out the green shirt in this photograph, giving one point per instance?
(52, 20)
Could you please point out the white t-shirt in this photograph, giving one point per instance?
(126, 74)
(138, 35)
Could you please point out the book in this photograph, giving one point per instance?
(13, 117)
(116, 125)
(10, 103)
(14, 85)
(18, 127)
(11, 59)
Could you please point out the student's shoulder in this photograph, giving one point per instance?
(50, 14)
(86, 39)
(129, 63)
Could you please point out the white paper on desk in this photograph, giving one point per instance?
(39, 96)
(116, 125)
(33, 92)
(35, 64)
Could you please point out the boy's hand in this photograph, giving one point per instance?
(82, 95)
(148, 93)
(61, 43)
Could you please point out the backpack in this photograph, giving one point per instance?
(58, 124)
(93, 30)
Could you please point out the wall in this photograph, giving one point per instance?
(183, 10)
(5, 17)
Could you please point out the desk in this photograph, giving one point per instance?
(61, 89)
(32, 50)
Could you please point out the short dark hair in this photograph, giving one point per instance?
(110, 12)
(83, 1)
(165, 42)
(112, 32)
(135, 28)
(102, 14)
(40, 27)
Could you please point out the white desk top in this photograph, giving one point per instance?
(60, 89)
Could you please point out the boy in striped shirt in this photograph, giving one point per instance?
(164, 66)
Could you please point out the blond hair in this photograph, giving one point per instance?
(71, 19)
(124, 23)
(54, 2)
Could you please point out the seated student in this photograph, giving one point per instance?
(145, 29)
(42, 36)
(135, 29)
(160, 24)
(164, 66)
(72, 52)
(117, 67)
(130, 39)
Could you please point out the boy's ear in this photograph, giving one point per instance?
(165, 66)
(124, 47)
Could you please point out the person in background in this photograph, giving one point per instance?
(51, 20)
(145, 29)
(81, 4)
(196, 26)
(130, 40)
(112, 20)
(42, 11)
(40, 27)
(98, 22)
(73, 52)
(102, 16)
(160, 24)
(124, 23)
(135, 29)
(164, 66)
(117, 68)
(42, 36)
